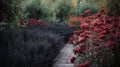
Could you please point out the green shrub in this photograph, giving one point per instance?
(65, 9)
(113, 7)
(81, 8)
(47, 10)
(10, 11)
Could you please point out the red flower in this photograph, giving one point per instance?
(34, 21)
(39, 21)
(110, 43)
(101, 36)
(76, 43)
(76, 32)
(72, 59)
(81, 31)
(98, 53)
(87, 35)
(21, 22)
(104, 32)
(82, 34)
(102, 11)
(96, 29)
(100, 47)
(117, 35)
(82, 39)
(98, 14)
(96, 42)
(77, 50)
(84, 26)
(81, 15)
(119, 25)
(71, 39)
(83, 46)
(96, 22)
(72, 26)
(45, 23)
(87, 11)
(87, 32)
(75, 36)
(85, 64)
(30, 20)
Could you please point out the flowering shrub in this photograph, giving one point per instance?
(45, 26)
(85, 64)
(32, 23)
(97, 43)
(72, 59)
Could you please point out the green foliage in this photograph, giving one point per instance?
(87, 5)
(47, 9)
(113, 7)
(65, 9)
(14, 10)
(77, 26)
(10, 11)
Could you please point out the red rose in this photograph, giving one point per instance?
(119, 25)
(110, 43)
(39, 21)
(96, 42)
(96, 29)
(72, 59)
(76, 32)
(82, 39)
(72, 26)
(21, 22)
(96, 22)
(98, 53)
(87, 32)
(82, 34)
(81, 15)
(98, 14)
(84, 26)
(102, 11)
(71, 39)
(101, 36)
(117, 35)
(87, 11)
(76, 43)
(83, 46)
(85, 64)
(104, 32)
(77, 50)
(87, 36)
(45, 23)
(75, 36)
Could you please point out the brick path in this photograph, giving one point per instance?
(63, 58)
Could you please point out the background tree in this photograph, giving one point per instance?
(113, 7)
(9, 11)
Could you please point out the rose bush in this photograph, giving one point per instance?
(98, 41)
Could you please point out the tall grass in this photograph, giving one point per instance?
(32, 47)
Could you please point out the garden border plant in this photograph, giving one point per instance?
(97, 43)
(35, 46)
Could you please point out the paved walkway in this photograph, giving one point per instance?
(63, 58)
